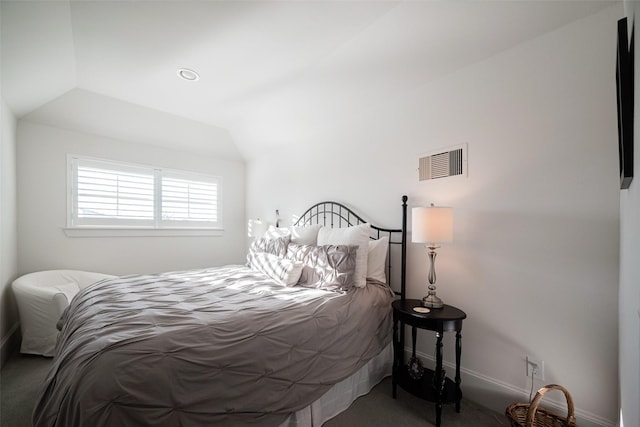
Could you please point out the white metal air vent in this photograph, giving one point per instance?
(443, 163)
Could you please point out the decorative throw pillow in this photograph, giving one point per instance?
(276, 246)
(376, 259)
(283, 271)
(329, 267)
(356, 235)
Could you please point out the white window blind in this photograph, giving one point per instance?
(106, 193)
(112, 194)
(189, 200)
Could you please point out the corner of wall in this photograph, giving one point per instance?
(8, 231)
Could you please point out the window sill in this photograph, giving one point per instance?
(140, 232)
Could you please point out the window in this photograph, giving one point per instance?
(106, 194)
(189, 200)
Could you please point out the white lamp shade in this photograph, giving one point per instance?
(256, 228)
(431, 224)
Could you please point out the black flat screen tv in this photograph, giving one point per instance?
(625, 95)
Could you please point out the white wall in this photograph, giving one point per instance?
(42, 159)
(535, 259)
(630, 268)
(8, 233)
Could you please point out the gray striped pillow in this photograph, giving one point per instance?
(276, 247)
(283, 271)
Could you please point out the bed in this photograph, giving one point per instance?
(289, 339)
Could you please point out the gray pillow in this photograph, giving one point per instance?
(283, 271)
(329, 267)
(277, 247)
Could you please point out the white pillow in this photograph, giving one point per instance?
(305, 235)
(356, 235)
(283, 271)
(299, 235)
(377, 259)
(274, 232)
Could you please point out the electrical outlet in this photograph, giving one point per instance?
(535, 368)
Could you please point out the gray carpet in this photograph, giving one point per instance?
(22, 376)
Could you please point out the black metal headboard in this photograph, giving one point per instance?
(335, 215)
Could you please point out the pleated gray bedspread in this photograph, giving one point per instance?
(218, 347)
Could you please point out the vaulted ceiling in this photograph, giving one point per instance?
(271, 72)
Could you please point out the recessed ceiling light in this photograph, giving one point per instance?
(188, 74)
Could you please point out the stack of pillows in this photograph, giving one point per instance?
(320, 257)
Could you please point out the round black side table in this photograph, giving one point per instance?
(432, 385)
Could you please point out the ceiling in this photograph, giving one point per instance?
(272, 73)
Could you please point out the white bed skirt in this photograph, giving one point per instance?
(340, 396)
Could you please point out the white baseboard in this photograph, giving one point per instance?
(497, 395)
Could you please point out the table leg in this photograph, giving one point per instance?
(458, 380)
(439, 378)
(413, 340)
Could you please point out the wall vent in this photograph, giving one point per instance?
(443, 163)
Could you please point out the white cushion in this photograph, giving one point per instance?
(356, 235)
(305, 235)
(376, 261)
(274, 232)
(299, 235)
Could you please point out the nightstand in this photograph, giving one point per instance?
(427, 384)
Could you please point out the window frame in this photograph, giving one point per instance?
(77, 227)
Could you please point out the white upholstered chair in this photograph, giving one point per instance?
(42, 297)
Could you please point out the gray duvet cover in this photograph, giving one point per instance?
(216, 347)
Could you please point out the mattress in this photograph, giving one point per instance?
(223, 346)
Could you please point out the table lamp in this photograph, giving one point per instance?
(432, 225)
(256, 228)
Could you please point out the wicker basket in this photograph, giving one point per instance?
(530, 415)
